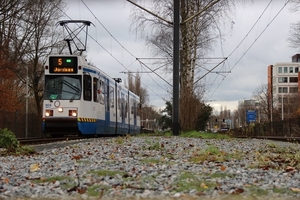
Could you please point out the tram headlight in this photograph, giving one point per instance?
(49, 113)
(60, 109)
(73, 113)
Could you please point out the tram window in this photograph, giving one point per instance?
(101, 92)
(138, 109)
(134, 108)
(119, 100)
(126, 106)
(95, 89)
(122, 113)
(111, 96)
(131, 106)
(87, 82)
(106, 96)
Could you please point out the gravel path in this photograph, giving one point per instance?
(154, 168)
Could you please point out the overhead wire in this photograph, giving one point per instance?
(125, 50)
(156, 74)
(108, 51)
(252, 42)
(240, 43)
(247, 34)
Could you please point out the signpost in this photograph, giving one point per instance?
(250, 116)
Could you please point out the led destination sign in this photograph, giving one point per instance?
(63, 65)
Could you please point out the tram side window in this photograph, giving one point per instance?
(107, 96)
(95, 89)
(131, 105)
(87, 86)
(138, 109)
(119, 100)
(122, 101)
(111, 96)
(102, 92)
(126, 106)
(134, 108)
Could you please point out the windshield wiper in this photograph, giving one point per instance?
(76, 89)
(73, 97)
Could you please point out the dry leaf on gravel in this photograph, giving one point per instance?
(34, 167)
(295, 189)
(223, 168)
(238, 191)
(203, 185)
(5, 180)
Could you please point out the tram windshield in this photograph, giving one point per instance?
(62, 87)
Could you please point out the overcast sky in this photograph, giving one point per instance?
(116, 51)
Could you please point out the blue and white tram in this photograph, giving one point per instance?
(79, 98)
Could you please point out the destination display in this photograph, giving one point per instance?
(63, 65)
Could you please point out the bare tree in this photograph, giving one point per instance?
(294, 33)
(41, 17)
(26, 38)
(265, 104)
(10, 86)
(199, 31)
(134, 85)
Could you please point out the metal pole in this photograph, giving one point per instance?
(26, 125)
(176, 40)
(282, 117)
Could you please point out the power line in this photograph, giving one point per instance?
(117, 42)
(125, 50)
(252, 42)
(247, 34)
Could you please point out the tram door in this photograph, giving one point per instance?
(123, 109)
(107, 106)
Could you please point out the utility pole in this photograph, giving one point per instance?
(176, 63)
(282, 116)
(26, 126)
(176, 55)
(176, 60)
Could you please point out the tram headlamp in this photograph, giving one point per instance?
(73, 113)
(60, 109)
(49, 113)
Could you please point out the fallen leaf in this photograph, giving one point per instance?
(238, 191)
(223, 168)
(203, 185)
(295, 189)
(6, 180)
(81, 190)
(289, 169)
(34, 167)
(78, 157)
(265, 167)
(112, 156)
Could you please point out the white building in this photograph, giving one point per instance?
(283, 85)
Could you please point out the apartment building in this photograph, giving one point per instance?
(283, 85)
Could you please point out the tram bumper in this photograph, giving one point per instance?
(60, 125)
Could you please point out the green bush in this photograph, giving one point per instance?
(8, 141)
